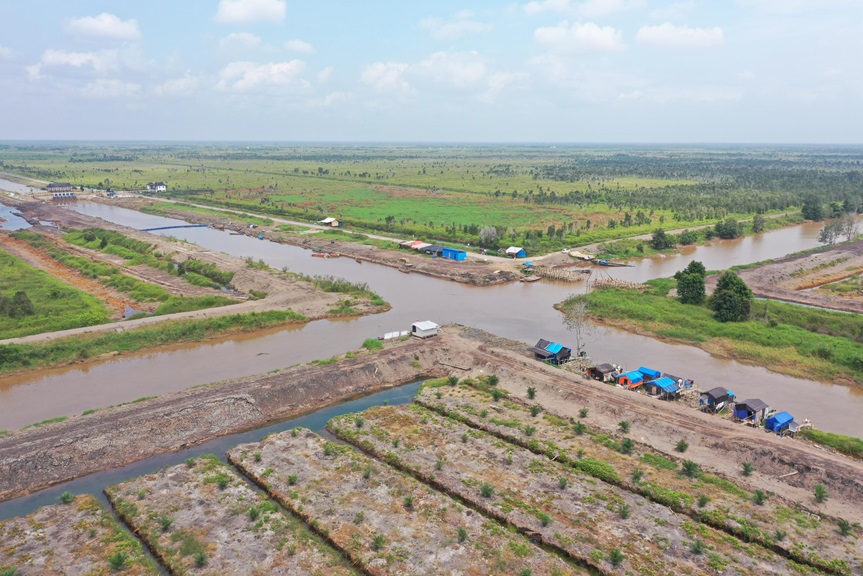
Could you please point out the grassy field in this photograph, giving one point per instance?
(541, 197)
(794, 340)
(57, 305)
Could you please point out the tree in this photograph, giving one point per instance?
(849, 226)
(829, 233)
(732, 299)
(728, 228)
(661, 240)
(576, 318)
(488, 236)
(758, 223)
(694, 267)
(690, 288)
(812, 209)
(687, 237)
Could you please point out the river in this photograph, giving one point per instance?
(519, 311)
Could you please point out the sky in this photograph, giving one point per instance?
(640, 71)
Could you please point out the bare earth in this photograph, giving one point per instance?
(789, 278)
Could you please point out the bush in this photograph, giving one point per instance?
(626, 446)
(486, 490)
(534, 410)
(682, 445)
(748, 469)
(821, 494)
(117, 561)
(624, 426)
(372, 344)
(616, 557)
(66, 497)
(624, 510)
(531, 392)
(690, 469)
(697, 547)
(462, 534)
(582, 413)
(759, 497)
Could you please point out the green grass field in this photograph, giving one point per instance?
(540, 197)
(57, 305)
(803, 342)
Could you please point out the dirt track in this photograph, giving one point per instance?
(35, 458)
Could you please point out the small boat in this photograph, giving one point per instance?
(358, 260)
(615, 264)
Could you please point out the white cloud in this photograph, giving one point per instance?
(325, 74)
(497, 83)
(243, 76)
(674, 10)
(105, 88)
(99, 61)
(176, 86)
(462, 25)
(386, 77)
(239, 41)
(578, 37)
(105, 25)
(332, 99)
(6, 53)
(460, 69)
(245, 11)
(668, 35)
(300, 46)
(587, 8)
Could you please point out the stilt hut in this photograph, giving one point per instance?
(752, 411)
(715, 399)
(631, 380)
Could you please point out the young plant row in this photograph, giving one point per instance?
(602, 526)
(617, 460)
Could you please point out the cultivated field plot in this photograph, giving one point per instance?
(599, 524)
(774, 523)
(201, 518)
(384, 520)
(75, 538)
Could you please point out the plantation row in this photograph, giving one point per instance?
(476, 482)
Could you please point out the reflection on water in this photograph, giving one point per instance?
(518, 311)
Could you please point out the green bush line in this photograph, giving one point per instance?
(668, 498)
(845, 444)
(21, 356)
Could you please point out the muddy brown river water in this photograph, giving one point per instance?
(518, 311)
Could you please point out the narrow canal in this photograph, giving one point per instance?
(519, 311)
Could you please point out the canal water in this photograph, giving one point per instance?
(518, 311)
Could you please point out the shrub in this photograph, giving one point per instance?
(579, 428)
(682, 445)
(697, 547)
(529, 430)
(497, 394)
(462, 534)
(165, 522)
(254, 513)
(117, 560)
(624, 426)
(200, 559)
(759, 497)
(378, 542)
(690, 468)
(637, 473)
(534, 410)
(464, 437)
(292, 479)
(66, 497)
(439, 464)
(359, 421)
(703, 499)
(372, 344)
(544, 518)
(257, 456)
(624, 510)
(486, 490)
(626, 446)
(748, 469)
(525, 572)
(821, 494)
(562, 482)
(616, 557)
(582, 413)
(452, 380)
(779, 535)
(531, 392)
(844, 527)
(409, 502)
(493, 380)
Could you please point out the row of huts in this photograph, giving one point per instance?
(669, 387)
(434, 250)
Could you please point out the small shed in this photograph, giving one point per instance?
(551, 352)
(664, 387)
(715, 399)
(59, 187)
(649, 373)
(681, 382)
(424, 329)
(157, 187)
(454, 254)
(632, 379)
(779, 422)
(602, 372)
(333, 222)
(516, 252)
(753, 410)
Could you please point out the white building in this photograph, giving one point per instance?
(424, 329)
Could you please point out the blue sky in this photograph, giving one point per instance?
(445, 71)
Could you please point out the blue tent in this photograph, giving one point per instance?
(649, 373)
(779, 422)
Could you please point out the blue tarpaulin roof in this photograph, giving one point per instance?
(649, 372)
(554, 348)
(633, 375)
(778, 421)
(667, 385)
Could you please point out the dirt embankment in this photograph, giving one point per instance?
(467, 272)
(791, 278)
(282, 290)
(35, 458)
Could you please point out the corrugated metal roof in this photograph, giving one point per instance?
(666, 384)
(553, 347)
(633, 375)
(717, 392)
(426, 325)
(753, 405)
